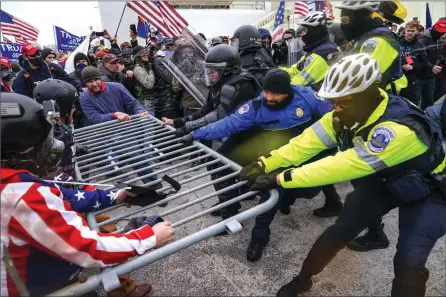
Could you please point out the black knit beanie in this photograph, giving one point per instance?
(46, 52)
(277, 81)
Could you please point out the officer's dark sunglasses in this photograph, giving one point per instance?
(343, 103)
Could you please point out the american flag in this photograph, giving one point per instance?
(301, 8)
(21, 30)
(161, 15)
(278, 23)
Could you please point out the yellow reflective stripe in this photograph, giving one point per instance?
(375, 162)
(322, 134)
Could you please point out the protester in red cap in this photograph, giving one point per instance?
(36, 70)
(6, 73)
(434, 84)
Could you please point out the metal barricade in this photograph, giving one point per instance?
(115, 148)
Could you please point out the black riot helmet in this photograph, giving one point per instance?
(246, 37)
(62, 94)
(26, 136)
(221, 62)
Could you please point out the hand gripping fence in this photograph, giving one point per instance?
(141, 150)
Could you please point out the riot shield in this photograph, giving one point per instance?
(295, 50)
(187, 66)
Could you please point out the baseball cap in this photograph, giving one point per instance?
(29, 49)
(440, 25)
(5, 62)
(168, 41)
(109, 58)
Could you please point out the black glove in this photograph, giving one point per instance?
(178, 123)
(265, 182)
(81, 149)
(139, 222)
(187, 139)
(251, 172)
(180, 132)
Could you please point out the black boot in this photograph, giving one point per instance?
(255, 249)
(295, 287)
(332, 209)
(218, 212)
(374, 239)
(285, 209)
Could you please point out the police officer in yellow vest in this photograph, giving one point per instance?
(362, 23)
(320, 52)
(388, 149)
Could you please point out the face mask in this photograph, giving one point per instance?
(80, 67)
(36, 62)
(5, 73)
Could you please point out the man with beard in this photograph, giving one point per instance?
(230, 87)
(258, 127)
(246, 40)
(389, 150)
(321, 53)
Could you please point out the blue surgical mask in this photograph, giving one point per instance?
(80, 67)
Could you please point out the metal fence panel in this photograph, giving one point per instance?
(139, 152)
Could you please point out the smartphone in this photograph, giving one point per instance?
(133, 28)
(100, 33)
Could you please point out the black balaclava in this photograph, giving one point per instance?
(355, 28)
(314, 34)
(278, 81)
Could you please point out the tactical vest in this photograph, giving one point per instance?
(395, 70)
(401, 111)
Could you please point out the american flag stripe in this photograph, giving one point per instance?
(18, 28)
(301, 8)
(28, 30)
(161, 15)
(148, 13)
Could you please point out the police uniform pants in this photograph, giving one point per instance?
(261, 231)
(421, 223)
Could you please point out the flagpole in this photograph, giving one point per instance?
(125, 5)
(55, 37)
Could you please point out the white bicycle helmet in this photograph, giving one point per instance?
(355, 5)
(318, 18)
(351, 75)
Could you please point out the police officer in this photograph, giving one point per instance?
(369, 35)
(261, 125)
(388, 148)
(247, 41)
(321, 53)
(230, 87)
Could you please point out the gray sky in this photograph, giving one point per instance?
(74, 17)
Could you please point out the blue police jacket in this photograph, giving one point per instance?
(305, 108)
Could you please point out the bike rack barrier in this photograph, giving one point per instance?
(117, 147)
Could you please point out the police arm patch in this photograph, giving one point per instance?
(381, 137)
(370, 46)
(244, 109)
(308, 61)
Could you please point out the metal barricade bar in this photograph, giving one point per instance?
(173, 158)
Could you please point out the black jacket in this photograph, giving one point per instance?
(433, 50)
(414, 50)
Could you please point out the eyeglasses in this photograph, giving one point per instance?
(36, 55)
(343, 103)
(116, 62)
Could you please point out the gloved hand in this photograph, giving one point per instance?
(139, 222)
(81, 149)
(251, 172)
(265, 182)
(187, 139)
(181, 131)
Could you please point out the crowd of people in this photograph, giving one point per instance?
(328, 103)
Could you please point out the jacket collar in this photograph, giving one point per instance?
(103, 88)
(378, 112)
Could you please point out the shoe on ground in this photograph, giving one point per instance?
(295, 287)
(255, 250)
(141, 290)
(285, 209)
(329, 210)
(372, 240)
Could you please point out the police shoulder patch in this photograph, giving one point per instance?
(381, 137)
(308, 61)
(319, 97)
(370, 46)
(244, 109)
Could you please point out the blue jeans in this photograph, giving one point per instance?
(261, 231)
(434, 114)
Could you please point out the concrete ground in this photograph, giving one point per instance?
(218, 266)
